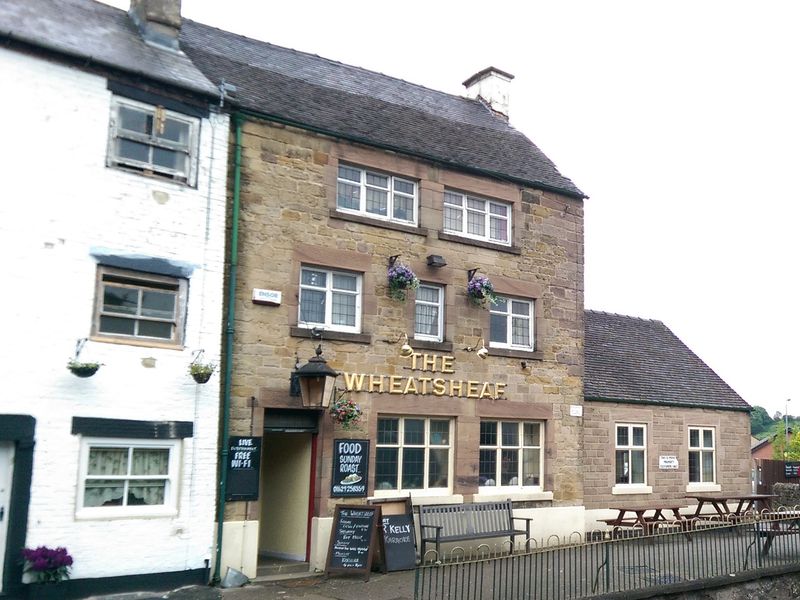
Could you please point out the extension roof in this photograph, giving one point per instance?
(98, 34)
(641, 361)
(368, 107)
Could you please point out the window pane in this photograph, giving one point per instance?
(520, 331)
(388, 431)
(312, 306)
(708, 438)
(150, 461)
(521, 308)
(133, 150)
(176, 131)
(403, 208)
(108, 461)
(146, 492)
(380, 181)
(476, 205)
(345, 282)
(498, 209)
(488, 433)
(413, 468)
(438, 468)
(348, 196)
(509, 467)
(377, 202)
(708, 466)
(440, 433)
(344, 309)
(414, 431)
(487, 467)
(530, 467)
(498, 229)
(349, 174)
(622, 466)
(510, 434)
(622, 436)
(638, 436)
(498, 328)
(156, 329)
(314, 278)
(386, 468)
(530, 434)
(453, 219)
(404, 187)
(132, 119)
(501, 306)
(117, 325)
(103, 492)
(694, 438)
(694, 467)
(637, 466)
(169, 159)
(426, 319)
(476, 223)
(158, 305)
(120, 300)
(427, 293)
(453, 199)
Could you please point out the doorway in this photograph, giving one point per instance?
(6, 477)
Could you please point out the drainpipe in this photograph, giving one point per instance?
(226, 394)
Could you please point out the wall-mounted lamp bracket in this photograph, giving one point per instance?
(393, 259)
(471, 274)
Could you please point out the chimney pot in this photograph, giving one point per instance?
(491, 85)
(159, 21)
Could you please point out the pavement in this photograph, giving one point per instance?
(390, 586)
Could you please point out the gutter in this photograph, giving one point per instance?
(437, 160)
(229, 329)
(747, 409)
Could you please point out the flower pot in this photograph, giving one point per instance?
(51, 590)
(83, 370)
(201, 377)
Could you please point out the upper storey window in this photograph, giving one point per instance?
(376, 195)
(477, 218)
(153, 140)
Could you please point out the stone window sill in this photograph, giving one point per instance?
(343, 216)
(449, 237)
(340, 336)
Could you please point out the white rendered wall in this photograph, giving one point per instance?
(58, 202)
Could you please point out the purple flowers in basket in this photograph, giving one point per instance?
(480, 291)
(47, 564)
(400, 279)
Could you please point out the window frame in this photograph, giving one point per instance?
(509, 315)
(171, 491)
(439, 304)
(190, 149)
(391, 191)
(181, 305)
(328, 325)
(465, 210)
(427, 445)
(630, 448)
(520, 448)
(700, 451)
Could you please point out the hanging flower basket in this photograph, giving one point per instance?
(401, 278)
(83, 369)
(345, 411)
(201, 372)
(480, 291)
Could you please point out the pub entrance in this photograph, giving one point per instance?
(287, 488)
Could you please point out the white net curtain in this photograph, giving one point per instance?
(126, 476)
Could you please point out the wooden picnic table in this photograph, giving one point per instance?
(730, 506)
(648, 523)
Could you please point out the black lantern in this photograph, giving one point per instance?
(316, 381)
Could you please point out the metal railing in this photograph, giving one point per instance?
(614, 561)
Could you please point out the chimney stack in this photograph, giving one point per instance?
(491, 85)
(159, 21)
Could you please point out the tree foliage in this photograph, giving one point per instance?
(760, 421)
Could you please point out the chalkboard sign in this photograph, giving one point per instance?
(244, 461)
(398, 542)
(350, 468)
(792, 469)
(354, 539)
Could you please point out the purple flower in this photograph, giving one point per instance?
(400, 278)
(47, 564)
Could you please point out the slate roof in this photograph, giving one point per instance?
(98, 33)
(369, 107)
(641, 361)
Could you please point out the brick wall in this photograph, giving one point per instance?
(60, 203)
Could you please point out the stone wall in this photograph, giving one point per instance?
(788, 495)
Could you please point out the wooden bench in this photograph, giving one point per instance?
(457, 522)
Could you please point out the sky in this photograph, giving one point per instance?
(679, 119)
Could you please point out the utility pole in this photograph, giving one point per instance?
(786, 429)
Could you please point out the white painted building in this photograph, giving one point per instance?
(112, 230)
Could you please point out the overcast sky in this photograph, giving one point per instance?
(680, 121)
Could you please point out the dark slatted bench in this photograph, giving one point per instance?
(457, 522)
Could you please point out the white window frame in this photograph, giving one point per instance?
(465, 210)
(302, 320)
(439, 304)
(170, 506)
(519, 448)
(700, 451)
(630, 448)
(427, 445)
(391, 192)
(143, 282)
(510, 316)
(191, 149)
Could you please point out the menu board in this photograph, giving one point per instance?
(350, 468)
(791, 469)
(354, 539)
(398, 541)
(244, 460)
